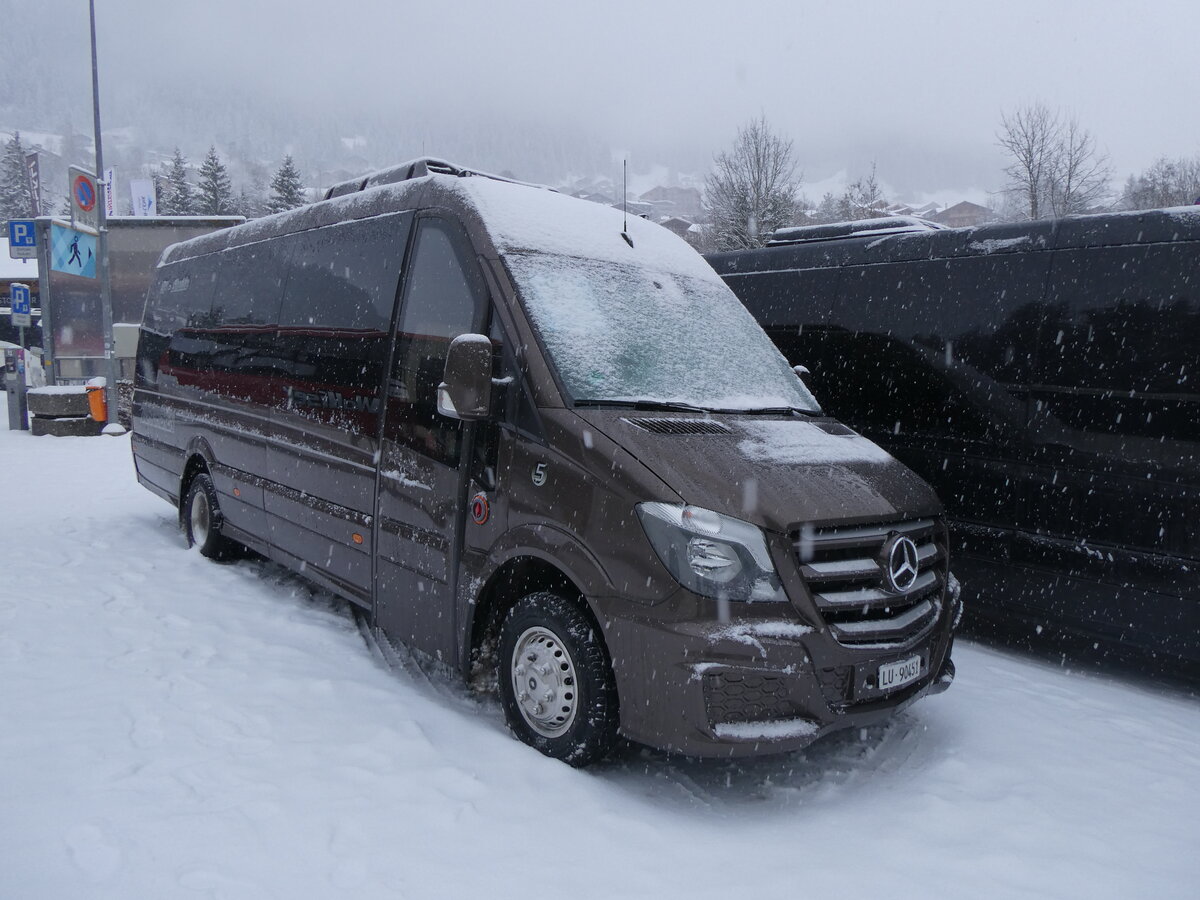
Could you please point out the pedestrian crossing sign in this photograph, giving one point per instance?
(72, 251)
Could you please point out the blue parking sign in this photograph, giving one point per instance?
(22, 239)
(19, 295)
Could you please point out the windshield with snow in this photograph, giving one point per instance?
(624, 334)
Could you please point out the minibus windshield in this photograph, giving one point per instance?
(631, 334)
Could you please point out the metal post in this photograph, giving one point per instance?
(110, 359)
(43, 245)
(23, 380)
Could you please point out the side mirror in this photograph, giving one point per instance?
(466, 388)
(802, 373)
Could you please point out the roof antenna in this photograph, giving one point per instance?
(625, 201)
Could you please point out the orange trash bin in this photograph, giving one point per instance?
(97, 405)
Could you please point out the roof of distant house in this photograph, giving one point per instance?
(966, 207)
(670, 194)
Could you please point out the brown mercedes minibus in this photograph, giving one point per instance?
(524, 436)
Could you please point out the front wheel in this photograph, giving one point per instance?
(202, 519)
(556, 681)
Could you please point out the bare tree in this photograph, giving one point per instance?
(752, 188)
(863, 198)
(1168, 182)
(1056, 167)
(1079, 172)
(1029, 135)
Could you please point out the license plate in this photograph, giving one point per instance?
(894, 675)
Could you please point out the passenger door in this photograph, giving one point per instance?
(230, 337)
(421, 496)
(329, 359)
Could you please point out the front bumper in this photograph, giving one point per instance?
(756, 685)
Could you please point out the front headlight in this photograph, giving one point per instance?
(711, 554)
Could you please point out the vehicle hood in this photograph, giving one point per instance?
(774, 472)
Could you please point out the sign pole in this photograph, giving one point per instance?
(43, 248)
(102, 271)
(19, 302)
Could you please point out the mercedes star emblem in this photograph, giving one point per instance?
(901, 569)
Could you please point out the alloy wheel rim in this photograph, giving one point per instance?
(200, 518)
(544, 682)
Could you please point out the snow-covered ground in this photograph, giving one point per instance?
(175, 728)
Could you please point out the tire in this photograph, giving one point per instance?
(548, 645)
(202, 519)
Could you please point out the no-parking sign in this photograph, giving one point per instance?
(84, 197)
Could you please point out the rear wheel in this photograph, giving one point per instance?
(202, 519)
(556, 681)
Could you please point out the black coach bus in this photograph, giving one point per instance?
(1044, 377)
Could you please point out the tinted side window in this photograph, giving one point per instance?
(178, 310)
(249, 285)
(791, 297)
(239, 335)
(1119, 349)
(938, 346)
(344, 276)
(332, 341)
(180, 296)
(444, 296)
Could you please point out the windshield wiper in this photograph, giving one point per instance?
(675, 406)
(645, 405)
(771, 411)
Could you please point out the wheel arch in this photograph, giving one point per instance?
(520, 574)
(198, 457)
(526, 559)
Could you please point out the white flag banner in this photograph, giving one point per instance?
(142, 192)
(109, 174)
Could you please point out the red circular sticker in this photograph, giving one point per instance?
(480, 509)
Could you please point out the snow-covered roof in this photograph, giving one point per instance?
(16, 269)
(518, 217)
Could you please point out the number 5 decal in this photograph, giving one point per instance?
(539, 474)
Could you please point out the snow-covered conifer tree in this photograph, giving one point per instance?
(15, 199)
(287, 190)
(177, 198)
(214, 193)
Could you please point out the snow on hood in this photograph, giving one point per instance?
(803, 443)
(771, 472)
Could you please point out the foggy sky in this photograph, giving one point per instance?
(917, 86)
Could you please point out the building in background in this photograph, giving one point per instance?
(964, 215)
(72, 302)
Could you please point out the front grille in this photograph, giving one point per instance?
(747, 697)
(680, 426)
(844, 570)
